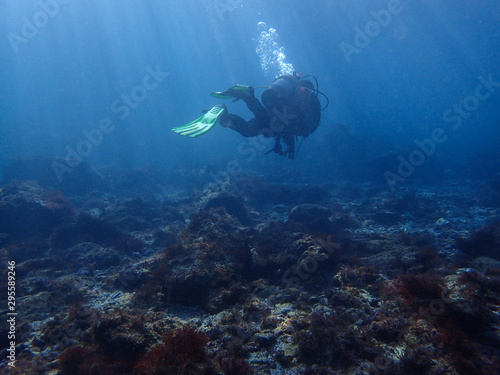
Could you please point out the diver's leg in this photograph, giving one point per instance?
(250, 128)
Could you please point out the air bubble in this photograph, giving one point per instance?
(272, 55)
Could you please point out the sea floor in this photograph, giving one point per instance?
(248, 277)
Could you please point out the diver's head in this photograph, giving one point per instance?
(278, 94)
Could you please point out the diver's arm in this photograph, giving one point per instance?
(256, 107)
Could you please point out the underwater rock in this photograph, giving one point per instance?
(91, 255)
(393, 261)
(386, 217)
(182, 352)
(30, 255)
(78, 180)
(341, 220)
(483, 242)
(121, 331)
(212, 253)
(163, 238)
(27, 211)
(134, 214)
(191, 288)
(487, 266)
(116, 343)
(226, 297)
(265, 338)
(224, 195)
(128, 216)
(313, 216)
(87, 228)
(283, 254)
(132, 276)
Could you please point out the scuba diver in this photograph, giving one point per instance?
(290, 108)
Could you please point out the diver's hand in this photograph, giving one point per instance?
(277, 147)
(290, 151)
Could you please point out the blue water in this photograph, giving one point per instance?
(64, 64)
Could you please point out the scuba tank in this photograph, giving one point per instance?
(286, 86)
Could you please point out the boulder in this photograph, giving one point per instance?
(87, 228)
(226, 196)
